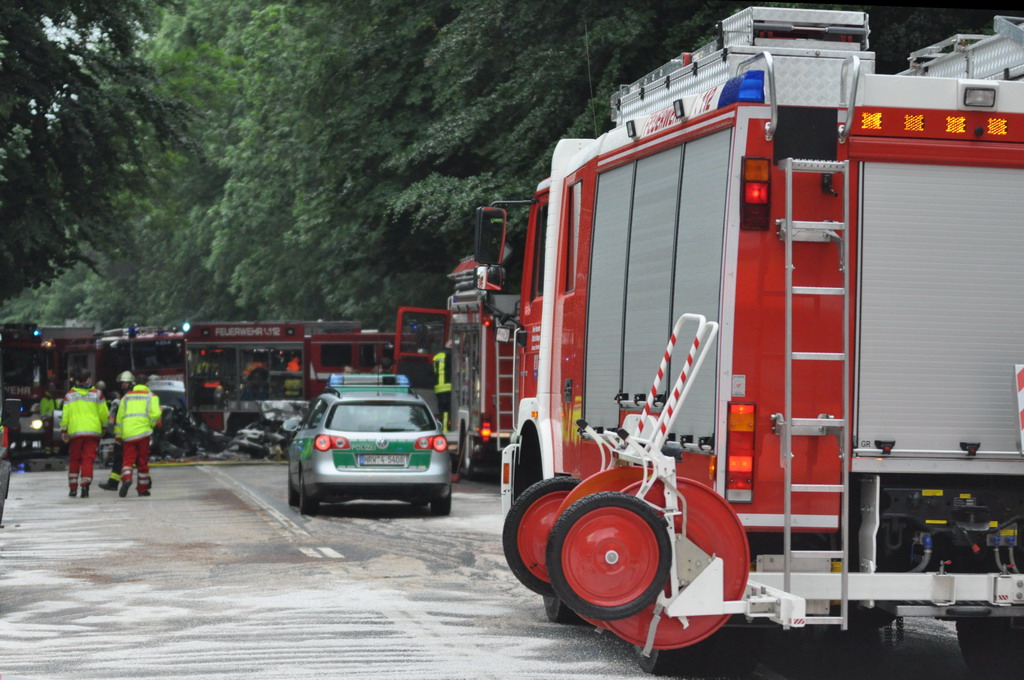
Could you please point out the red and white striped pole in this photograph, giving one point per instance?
(1019, 371)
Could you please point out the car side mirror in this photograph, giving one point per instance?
(291, 425)
(491, 225)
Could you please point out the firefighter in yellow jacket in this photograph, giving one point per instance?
(443, 383)
(137, 414)
(81, 426)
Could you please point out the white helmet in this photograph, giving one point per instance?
(126, 377)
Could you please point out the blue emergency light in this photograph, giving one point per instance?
(746, 88)
(337, 380)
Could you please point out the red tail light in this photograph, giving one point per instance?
(440, 443)
(485, 431)
(326, 443)
(739, 465)
(756, 203)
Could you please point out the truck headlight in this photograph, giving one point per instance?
(37, 424)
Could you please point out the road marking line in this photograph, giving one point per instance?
(248, 495)
(311, 552)
(333, 554)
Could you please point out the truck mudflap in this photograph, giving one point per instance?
(509, 457)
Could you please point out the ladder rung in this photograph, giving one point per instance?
(819, 356)
(823, 620)
(815, 290)
(833, 554)
(817, 488)
(818, 166)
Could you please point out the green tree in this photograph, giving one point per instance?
(77, 106)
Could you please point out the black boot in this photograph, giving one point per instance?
(85, 491)
(125, 485)
(73, 493)
(109, 485)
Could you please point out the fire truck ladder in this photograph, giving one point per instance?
(504, 387)
(990, 57)
(786, 424)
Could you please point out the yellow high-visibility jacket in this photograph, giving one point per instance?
(47, 405)
(137, 414)
(84, 412)
(442, 372)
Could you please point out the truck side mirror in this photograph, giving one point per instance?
(490, 277)
(491, 224)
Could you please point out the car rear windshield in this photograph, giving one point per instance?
(380, 417)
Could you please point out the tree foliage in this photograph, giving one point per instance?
(338, 147)
(78, 118)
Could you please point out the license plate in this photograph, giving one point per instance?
(381, 459)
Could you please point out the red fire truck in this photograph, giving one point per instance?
(33, 356)
(837, 253)
(483, 370)
(232, 367)
(152, 350)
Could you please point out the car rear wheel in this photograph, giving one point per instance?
(293, 493)
(307, 504)
(441, 506)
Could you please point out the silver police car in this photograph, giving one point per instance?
(368, 436)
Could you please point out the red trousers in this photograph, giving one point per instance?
(82, 454)
(136, 452)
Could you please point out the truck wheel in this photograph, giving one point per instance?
(991, 648)
(609, 556)
(465, 465)
(524, 537)
(307, 504)
(441, 506)
(730, 653)
(557, 612)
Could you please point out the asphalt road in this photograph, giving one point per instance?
(215, 576)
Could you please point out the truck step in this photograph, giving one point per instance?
(823, 167)
(823, 620)
(818, 488)
(830, 554)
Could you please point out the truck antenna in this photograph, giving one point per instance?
(590, 76)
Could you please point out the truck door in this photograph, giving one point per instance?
(940, 328)
(420, 334)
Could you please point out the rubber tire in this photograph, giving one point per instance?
(557, 612)
(440, 507)
(513, 523)
(584, 510)
(307, 504)
(465, 467)
(991, 649)
(729, 653)
(293, 493)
